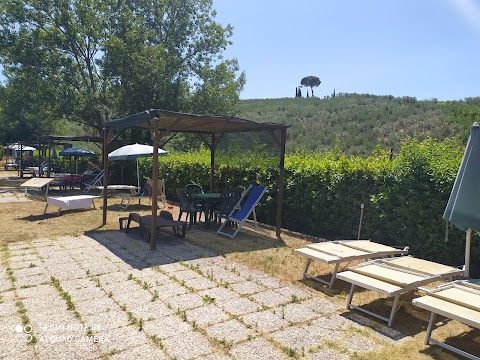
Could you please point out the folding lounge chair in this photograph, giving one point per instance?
(160, 191)
(146, 194)
(39, 171)
(127, 198)
(240, 213)
(458, 300)
(394, 277)
(97, 180)
(338, 251)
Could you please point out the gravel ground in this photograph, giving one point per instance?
(108, 296)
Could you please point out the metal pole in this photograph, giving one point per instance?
(361, 219)
(467, 252)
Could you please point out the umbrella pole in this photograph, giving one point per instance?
(138, 179)
(467, 252)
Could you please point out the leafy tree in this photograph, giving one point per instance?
(311, 81)
(383, 120)
(58, 45)
(105, 59)
(463, 114)
(24, 114)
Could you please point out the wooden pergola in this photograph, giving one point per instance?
(210, 129)
(47, 141)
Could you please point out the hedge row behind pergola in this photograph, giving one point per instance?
(210, 128)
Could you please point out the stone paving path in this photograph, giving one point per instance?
(107, 296)
(9, 195)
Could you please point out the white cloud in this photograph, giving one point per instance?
(470, 11)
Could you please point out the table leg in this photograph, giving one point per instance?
(207, 215)
(184, 229)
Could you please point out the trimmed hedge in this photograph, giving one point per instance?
(404, 197)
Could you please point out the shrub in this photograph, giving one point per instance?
(404, 197)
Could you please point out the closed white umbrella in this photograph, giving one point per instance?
(463, 207)
(134, 151)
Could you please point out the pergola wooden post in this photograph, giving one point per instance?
(105, 174)
(281, 180)
(212, 163)
(153, 229)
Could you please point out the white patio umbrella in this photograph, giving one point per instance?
(134, 151)
(18, 147)
(463, 207)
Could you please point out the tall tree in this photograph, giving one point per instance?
(311, 81)
(109, 58)
(58, 44)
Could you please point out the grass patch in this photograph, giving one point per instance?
(66, 296)
(227, 344)
(207, 300)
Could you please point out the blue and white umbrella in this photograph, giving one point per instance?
(134, 151)
(463, 207)
(76, 152)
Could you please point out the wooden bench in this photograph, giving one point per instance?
(165, 219)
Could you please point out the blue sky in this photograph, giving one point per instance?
(427, 48)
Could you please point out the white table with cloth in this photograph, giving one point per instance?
(71, 202)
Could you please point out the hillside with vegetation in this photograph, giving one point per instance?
(359, 122)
